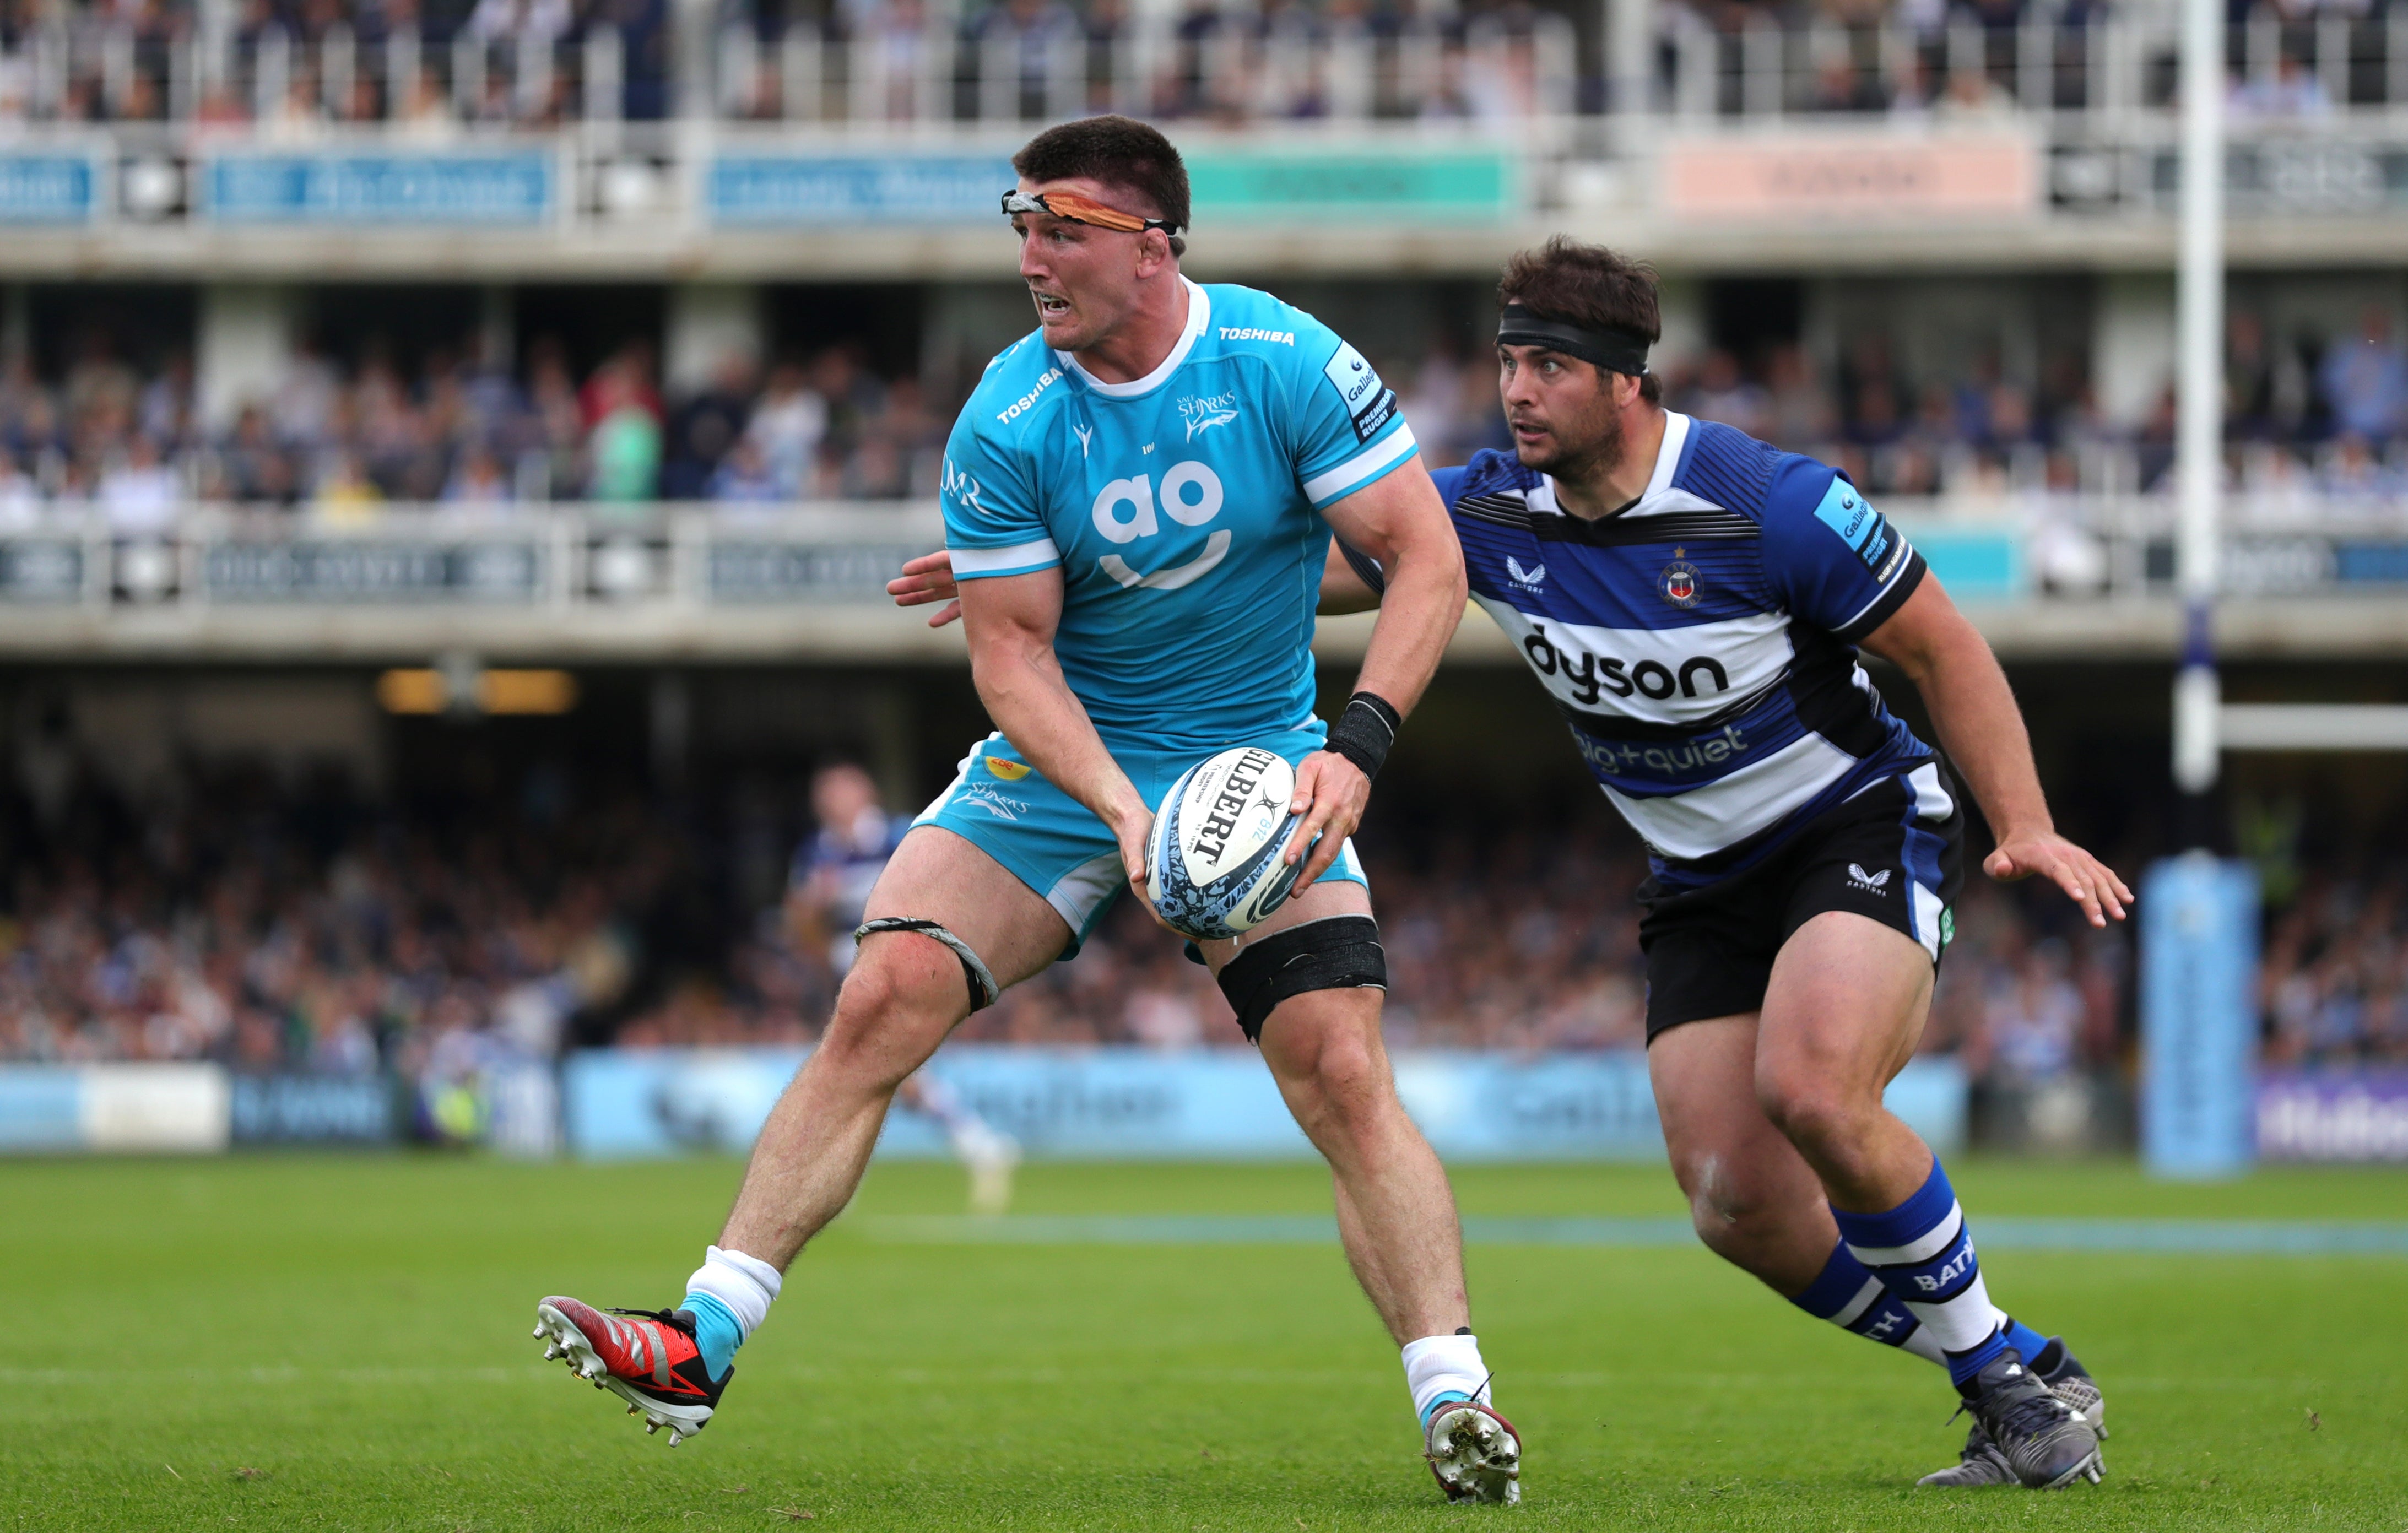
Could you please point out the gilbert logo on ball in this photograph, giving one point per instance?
(1217, 852)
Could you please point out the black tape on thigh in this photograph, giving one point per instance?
(1336, 952)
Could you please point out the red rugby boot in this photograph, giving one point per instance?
(647, 1357)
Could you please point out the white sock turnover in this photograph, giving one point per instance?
(1440, 1365)
(745, 1285)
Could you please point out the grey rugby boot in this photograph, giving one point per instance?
(1982, 1464)
(2043, 1441)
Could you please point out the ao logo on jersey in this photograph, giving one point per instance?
(1191, 496)
(1124, 512)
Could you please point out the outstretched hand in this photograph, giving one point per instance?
(2087, 881)
(928, 578)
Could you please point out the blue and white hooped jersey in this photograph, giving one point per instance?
(1182, 509)
(1702, 641)
(854, 855)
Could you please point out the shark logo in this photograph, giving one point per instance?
(1086, 435)
(1858, 878)
(1206, 413)
(1002, 805)
(1526, 578)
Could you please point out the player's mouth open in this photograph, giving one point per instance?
(1050, 307)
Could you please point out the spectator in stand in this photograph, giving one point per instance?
(2365, 381)
(138, 493)
(703, 429)
(743, 477)
(479, 482)
(1725, 394)
(622, 425)
(787, 430)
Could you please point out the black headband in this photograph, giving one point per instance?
(1615, 350)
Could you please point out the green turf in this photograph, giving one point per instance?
(309, 1342)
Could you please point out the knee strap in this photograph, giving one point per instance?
(984, 989)
(1336, 952)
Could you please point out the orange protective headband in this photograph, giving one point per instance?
(1079, 210)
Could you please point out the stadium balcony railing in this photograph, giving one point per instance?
(2057, 113)
(2055, 574)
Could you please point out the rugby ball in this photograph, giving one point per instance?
(1216, 857)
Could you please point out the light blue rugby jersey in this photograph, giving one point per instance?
(1700, 642)
(1183, 508)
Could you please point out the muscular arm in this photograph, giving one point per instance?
(1342, 590)
(1010, 622)
(1401, 523)
(1974, 712)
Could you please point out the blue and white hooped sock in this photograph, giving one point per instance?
(1848, 1295)
(729, 1294)
(1922, 1255)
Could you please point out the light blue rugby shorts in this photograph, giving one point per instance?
(1055, 845)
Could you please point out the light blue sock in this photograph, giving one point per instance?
(1443, 1398)
(716, 1333)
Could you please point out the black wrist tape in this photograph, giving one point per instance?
(1365, 731)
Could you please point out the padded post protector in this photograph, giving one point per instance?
(1335, 952)
(984, 989)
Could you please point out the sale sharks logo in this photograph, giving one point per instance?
(1203, 413)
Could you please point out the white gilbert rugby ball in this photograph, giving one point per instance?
(1216, 853)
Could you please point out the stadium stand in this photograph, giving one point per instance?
(303, 928)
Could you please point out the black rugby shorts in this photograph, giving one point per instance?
(1709, 950)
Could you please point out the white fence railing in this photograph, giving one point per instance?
(603, 558)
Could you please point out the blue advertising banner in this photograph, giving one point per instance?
(801, 191)
(312, 1110)
(2198, 1016)
(1121, 1103)
(39, 189)
(458, 188)
(41, 1108)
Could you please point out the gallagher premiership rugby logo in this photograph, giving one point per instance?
(1681, 581)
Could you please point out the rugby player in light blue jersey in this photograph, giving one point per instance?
(1138, 501)
(1692, 600)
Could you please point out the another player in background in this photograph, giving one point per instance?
(1692, 600)
(827, 890)
(1138, 498)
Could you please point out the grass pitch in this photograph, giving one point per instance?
(321, 1342)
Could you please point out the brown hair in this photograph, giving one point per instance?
(1590, 286)
(1116, 151)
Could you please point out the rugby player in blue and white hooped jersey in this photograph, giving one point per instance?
(1138, 501)
(1693, 601)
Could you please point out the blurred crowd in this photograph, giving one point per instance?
(304, 928)
(292, 71)
(341, 441)
(296, 70)
(2335, 981)
(281, 929)
(2310, 419)
(2316, 426)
